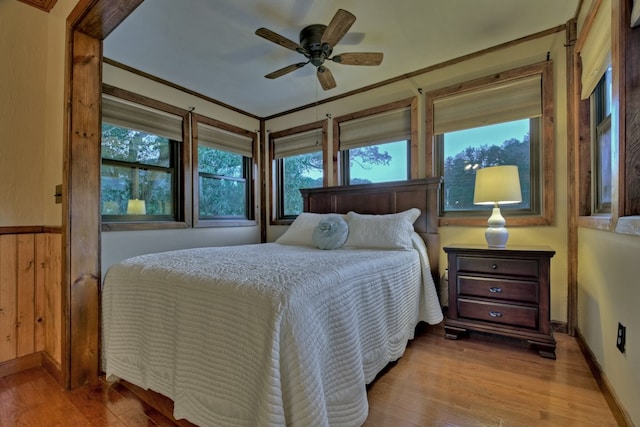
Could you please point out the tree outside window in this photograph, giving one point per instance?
(468, 150)
(222, 184)
(136, 165)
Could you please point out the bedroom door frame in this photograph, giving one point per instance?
(88, 24)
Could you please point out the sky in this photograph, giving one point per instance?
(455, 142)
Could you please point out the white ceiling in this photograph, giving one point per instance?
(209, 46)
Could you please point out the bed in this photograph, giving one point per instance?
(279, 333)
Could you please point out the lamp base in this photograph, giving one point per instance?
(496, 234)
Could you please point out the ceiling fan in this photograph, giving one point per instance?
(316, 44)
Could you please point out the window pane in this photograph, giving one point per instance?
(218, 162)
(134, 146)
(121, 184)
(222, 197)
(468, 150)
(601, 145)
(379, 163)
(302, 171)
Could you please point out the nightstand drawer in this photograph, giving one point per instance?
(510, 290)
(498, 313)
(505, 266)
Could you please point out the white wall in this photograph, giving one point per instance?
(608, 293)
(512, 57)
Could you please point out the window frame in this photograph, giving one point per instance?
(275, 169)
(545, 173)
(249, 165)
(182, 185)
(625, 183)
(535, 208)
(339, 174)
(600, 126)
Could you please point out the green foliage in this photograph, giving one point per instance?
(141, 180)
(223, 190)
(460, 171)
(301, 171)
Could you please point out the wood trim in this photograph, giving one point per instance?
(619, 413)
(45, 5)
(99, 18)
(618, 109)
(629, 107)
(414, 172)
(270, 173)
(184, 214)
(20, 364)
(545, 68)
(411, 103)
(265, 158)
(177, 87)
(81, 215)
(195, 177)
(22, 229)
(573, 160)
(145, 101)
(429, 69)
(52, 367)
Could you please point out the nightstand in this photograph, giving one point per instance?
(501, 291)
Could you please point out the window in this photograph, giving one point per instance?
(464, 152)
(601, 145)
(141, 155)
(504, 119)
(297, 158)
(375, 146)
(223, 158)
(595, 124)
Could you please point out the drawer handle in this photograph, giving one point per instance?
(495, 290)
(494, 267)
(495, 314)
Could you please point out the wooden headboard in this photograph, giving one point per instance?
(385, 198)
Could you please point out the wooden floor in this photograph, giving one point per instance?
(476, 381)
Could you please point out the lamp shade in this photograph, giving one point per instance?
(497, 184)
(136, 207)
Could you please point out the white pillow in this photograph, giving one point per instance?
(392, 231)
(300, 232)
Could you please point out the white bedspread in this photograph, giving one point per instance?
(266, 334)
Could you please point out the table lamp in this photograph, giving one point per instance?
(136, 207)
(497, 185)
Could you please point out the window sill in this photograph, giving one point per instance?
(604, 222)
(129, 226)
(225, 223)
(628, 225)
(482, 222)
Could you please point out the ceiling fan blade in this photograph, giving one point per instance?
(359, 58)
(277, 38)
(285, 70)
(325, 78)
(338, 27)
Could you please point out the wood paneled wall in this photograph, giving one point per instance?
(30, 297)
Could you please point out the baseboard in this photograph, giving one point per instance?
(618, 411)
(559, 327)
(20, 364)
(54, 368)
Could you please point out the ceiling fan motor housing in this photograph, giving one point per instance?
(311, 42)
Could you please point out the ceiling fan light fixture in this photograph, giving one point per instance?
(316, 44)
